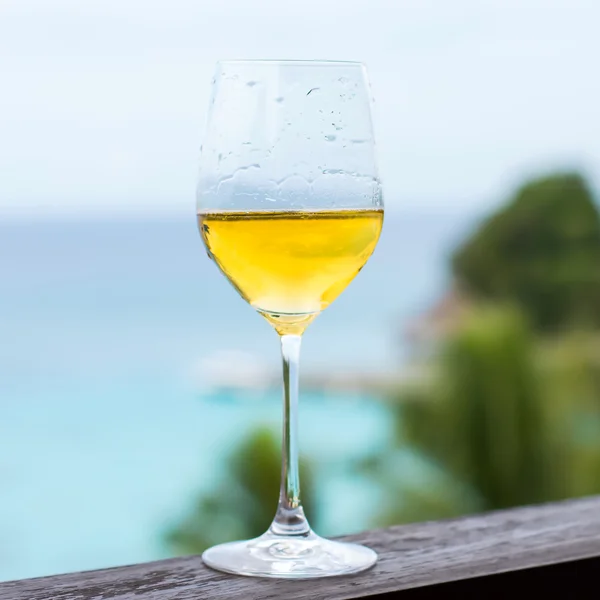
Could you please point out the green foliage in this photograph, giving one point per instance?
(541, 252)
(510, 420)
(243, 506)
(570, 376)
(483, 421)
(510, 417)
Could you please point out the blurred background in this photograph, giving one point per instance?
(139, 395)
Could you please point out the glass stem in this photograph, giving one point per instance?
(290, 519)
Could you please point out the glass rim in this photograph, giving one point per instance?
(292, 62)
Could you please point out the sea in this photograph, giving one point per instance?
(126, 377)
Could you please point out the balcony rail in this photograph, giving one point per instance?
(551, 549)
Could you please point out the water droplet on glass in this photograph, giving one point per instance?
(279, 100)
(251, 83)
(220, 157)
(330, 138)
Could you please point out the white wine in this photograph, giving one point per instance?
(290, 265)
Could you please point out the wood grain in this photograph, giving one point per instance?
(409, 557)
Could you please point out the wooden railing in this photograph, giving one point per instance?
(552, 549)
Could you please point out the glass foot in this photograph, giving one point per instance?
(289, 557)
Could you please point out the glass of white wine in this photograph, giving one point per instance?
(290, 209)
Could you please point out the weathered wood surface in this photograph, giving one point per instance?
(411, 556)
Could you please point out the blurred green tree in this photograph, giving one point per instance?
(506, 419)
(570, 377)
(484, 419)
(244, 504)
(542, 252)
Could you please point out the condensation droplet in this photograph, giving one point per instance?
(330, 138)
(279, 100)
(251, 83)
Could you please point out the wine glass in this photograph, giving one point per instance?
(290, 209)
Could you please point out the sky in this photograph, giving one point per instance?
(103, 102)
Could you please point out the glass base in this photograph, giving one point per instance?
(289, 557)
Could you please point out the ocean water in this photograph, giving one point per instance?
(108, 424)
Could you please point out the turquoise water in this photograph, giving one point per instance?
(107, 430)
